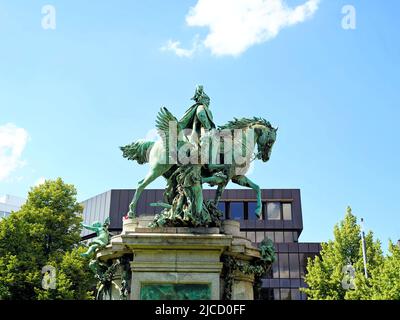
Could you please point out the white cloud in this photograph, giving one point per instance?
(236, 25)
(40, 181)
(12, 143)
(175, 47)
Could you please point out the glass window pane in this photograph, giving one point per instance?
(252, 210)
(296, 294)
(294, 265)
(275, 269)
(221, 207)
(276, 294)
(267, 294)
(260, 236)
(270, 235)
(287, 211)
(303, 264)
(274, 210)
(251, 235)
(279, 237)
(295, 236)
(237, 210)
(288, 236)
(268, 274)
(284, 265)
(285, 294)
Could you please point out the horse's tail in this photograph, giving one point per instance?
(138, 151)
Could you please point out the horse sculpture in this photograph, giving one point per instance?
(178, 159)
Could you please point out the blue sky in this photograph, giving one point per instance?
(96, 82)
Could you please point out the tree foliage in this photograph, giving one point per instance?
(385, 283)
(45, 231)
(325, 276)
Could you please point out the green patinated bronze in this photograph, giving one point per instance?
(257, 268)
(126, 275)
(193, 138)
(101, 240)
(183, 199)
(104, 273)
(157, 291)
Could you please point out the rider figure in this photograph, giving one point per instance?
(198, 117)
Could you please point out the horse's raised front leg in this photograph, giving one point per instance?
(246, 182)
(151, 176)
(219, 179)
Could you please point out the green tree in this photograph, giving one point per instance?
(73, 278)
(385, 282)
(45, 231)
(325, 275)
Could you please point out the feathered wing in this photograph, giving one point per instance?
(164, 120)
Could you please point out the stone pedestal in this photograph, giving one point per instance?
(175, 256)
(242, 252)
(183, 263)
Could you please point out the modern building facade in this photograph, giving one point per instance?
(282, 222)
(10, 203)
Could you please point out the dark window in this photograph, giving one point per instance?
(275, 269)
(237, 212)
(273, 210)
(252, 210)
(270, 235)
(251, 235)
(227, 209)
(303, 264)
(221, 207)
(295, 236)
(284, 265)
(294, 265)
(285, 294)
(288, 236)
(267, 294)
(287, 211)
(260, 236)
(279, 237)
(269, 274)
(295, 294)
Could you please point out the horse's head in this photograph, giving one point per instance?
(264, 134)
(265, 139)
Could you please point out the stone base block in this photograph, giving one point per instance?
(182, 263)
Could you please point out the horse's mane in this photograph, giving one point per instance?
(245, 122)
